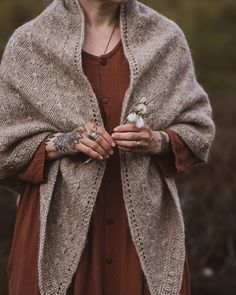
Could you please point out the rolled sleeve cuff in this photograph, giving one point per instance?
(179, 159)
(35, 170)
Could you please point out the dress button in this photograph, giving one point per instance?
(108, 260)
(109, 220)
(105, 100)
(103, 61)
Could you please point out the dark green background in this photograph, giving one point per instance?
(208, 193)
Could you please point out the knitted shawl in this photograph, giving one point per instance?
(43, 90)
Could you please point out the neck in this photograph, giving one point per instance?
(100, 14)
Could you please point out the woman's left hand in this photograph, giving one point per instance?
(143, 140)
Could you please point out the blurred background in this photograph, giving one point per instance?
(208, 192)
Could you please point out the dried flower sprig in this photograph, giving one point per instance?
(137, 113)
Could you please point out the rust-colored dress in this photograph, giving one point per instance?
(109, 263)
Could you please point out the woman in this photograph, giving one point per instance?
(99, 211)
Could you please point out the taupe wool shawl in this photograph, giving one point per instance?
(43, 90)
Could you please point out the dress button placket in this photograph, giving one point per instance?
(105, 100)
(103, 61)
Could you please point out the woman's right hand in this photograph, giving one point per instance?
(76, 141)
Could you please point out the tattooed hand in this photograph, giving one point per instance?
(76, 141)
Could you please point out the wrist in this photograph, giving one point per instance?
(52, 144)
(165, 146)
(49, 142)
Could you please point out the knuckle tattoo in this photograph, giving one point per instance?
(67, 141)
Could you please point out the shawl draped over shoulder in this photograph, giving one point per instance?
(43, 90)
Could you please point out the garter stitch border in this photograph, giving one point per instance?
(134, 74)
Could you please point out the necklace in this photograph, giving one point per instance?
(110, 38)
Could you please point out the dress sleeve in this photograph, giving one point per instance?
(179, 159)
(34, 171)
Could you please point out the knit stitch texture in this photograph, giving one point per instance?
(43, 90)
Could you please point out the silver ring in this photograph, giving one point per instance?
(93, 135)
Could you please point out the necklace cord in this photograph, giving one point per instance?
(110, 39)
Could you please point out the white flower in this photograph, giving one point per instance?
(143, 100)
(132, 117)
(135, 115)
(141, 108)
(140, 122)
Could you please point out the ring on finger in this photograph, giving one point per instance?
(138, 143)
(93, 135)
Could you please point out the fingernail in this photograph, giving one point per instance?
(115, 129)
(111, 152)
(113, 144)
(101, 158)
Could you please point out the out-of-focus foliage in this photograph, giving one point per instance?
(207, 192)
(210, 28)
(208, 196)
(13, 13)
